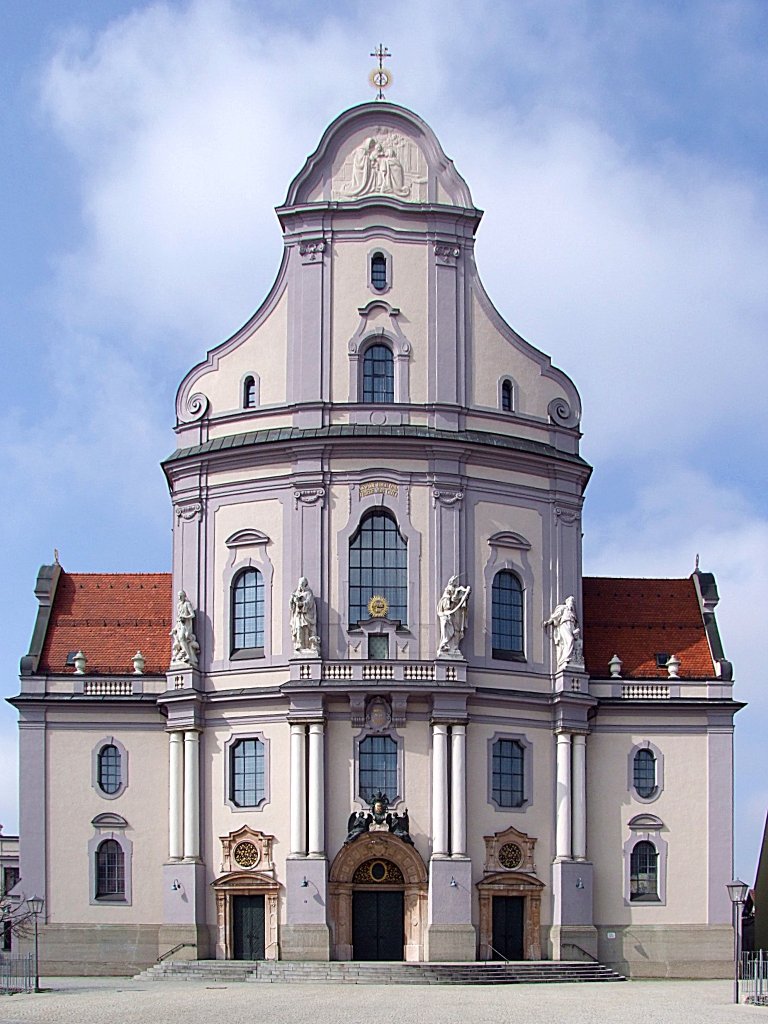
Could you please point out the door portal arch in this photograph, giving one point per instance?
(354, 869)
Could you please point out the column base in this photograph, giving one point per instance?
(573, 919)
(450, 932)
(184, 892)
(305, 934)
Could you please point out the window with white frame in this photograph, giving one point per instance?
(507, 615)
(249, 392)
(378, 567)
(110, 871)
(506, 396)
(109, 768)
(645, 771)
(248, 611)
(247, 771)
(378, 375)
(377, 767)
(508, 787)
(644, 872)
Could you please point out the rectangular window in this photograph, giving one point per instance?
(508, 773)
(247, 785)
(378, 767)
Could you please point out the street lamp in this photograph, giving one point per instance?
(737, 893)
(35, 904)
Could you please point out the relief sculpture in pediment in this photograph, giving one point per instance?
(386, 163)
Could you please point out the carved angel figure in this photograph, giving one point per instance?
(184, 647)
(452, 615)
(565, 632)
(400, 826)
(359, 822)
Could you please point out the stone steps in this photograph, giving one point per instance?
(380, 973)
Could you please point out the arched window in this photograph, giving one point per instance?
(110, 871)
(644, 773)
(644, 872)
(507, 615)
(506, 396)
(378, 375)
(247, 765)
(378, 566)
(508, 780)
(248, 611)
(379, 271)
(249, 393)
(378, 767)
(109, 773)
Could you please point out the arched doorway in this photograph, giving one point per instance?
(378, 900)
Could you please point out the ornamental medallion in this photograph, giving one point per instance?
(246, 855)
(510, 855)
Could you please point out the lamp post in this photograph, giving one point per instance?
(737, 893)
(35, 904)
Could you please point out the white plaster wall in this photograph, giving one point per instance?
(408, 292)
(536, 819)
(492, 356)
(264, 352)
(73, 803)
(681, 806)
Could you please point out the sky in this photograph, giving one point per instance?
(618, 147)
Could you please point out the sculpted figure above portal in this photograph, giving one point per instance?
(385, 164)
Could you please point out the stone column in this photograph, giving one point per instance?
(191, 794)
(175, 794)
(458, 790)
(563, 827)
(439, 790)
(579, 797)
(298, 802)
(316, 789)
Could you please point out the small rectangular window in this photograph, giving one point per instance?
(378, 647)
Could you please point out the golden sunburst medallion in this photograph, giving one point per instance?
(378, 606)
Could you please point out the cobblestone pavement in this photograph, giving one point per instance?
(110, 1000)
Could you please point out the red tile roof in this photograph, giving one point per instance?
(638, 619)
(112, 615)
(109, 616)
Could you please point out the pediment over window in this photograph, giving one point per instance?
(645, 823)
(246, 538)
(508, 539)
(109, 820)
(510, 850)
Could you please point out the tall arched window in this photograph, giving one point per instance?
(248, 611)
(507, 615)
(110, 871)
(378, 375)
(644, 872)
(378, 565)
(378, 767)
(379, 271)
(506, 396)
(644, 773)
(249, 393)
(109, 773)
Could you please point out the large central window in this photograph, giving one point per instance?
(378, 375)
(248, 611)
(378, 767)
(378, 565)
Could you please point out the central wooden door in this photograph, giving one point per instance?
(377, 925)
(248, 927)
(508, 927)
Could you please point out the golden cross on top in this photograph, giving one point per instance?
(380, 78)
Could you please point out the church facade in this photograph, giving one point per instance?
(375, 711)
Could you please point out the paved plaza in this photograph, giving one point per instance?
(102, 1000)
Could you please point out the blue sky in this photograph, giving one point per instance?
(618, 148)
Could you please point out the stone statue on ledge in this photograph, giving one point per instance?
(379, 819)
(567, 634)
(304, 620)
(184, 645)
(452, 615)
